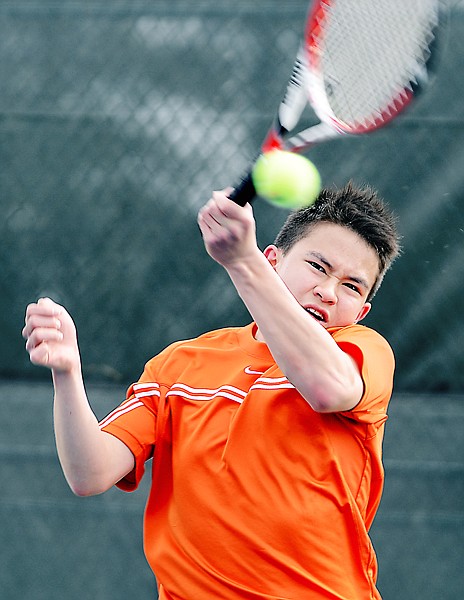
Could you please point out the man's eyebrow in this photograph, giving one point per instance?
(359, 280)
(321, 258)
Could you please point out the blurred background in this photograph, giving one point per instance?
(117, 119)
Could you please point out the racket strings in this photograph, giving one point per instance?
(368, 56)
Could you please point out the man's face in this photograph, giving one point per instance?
(330, 272)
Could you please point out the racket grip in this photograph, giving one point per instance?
(244, 192)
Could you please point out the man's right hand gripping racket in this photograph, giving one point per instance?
(360, 64)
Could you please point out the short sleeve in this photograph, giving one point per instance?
(376, 363)
(134, 423)
(138, 419)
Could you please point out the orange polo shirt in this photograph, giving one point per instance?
(254, 494)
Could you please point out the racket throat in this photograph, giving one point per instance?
(315, 134)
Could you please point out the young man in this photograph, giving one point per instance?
(266, 439)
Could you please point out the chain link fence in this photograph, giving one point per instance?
(118, 118)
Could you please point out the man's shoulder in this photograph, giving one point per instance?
(222, 335)
(361, 336)
(216, 338)
(355, 330)
(207, 354)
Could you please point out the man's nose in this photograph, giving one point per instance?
(327, 291)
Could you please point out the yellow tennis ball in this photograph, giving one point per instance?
(286, 179)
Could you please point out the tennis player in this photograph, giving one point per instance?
(266, 439)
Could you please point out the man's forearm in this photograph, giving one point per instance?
(303, 349)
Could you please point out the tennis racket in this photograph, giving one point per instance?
(360, 64)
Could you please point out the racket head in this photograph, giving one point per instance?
(367, 60)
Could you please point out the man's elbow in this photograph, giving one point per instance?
(84, 488)
(331, 401)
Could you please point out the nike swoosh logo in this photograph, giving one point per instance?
(249, 371)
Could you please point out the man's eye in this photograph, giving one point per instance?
(317, 266)
(353, 287)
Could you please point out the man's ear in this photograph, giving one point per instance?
(363, 312)
(273, 254)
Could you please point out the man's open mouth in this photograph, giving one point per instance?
(319, 316)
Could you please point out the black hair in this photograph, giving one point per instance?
(357, 208)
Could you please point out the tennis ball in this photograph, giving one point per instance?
(286, 179)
